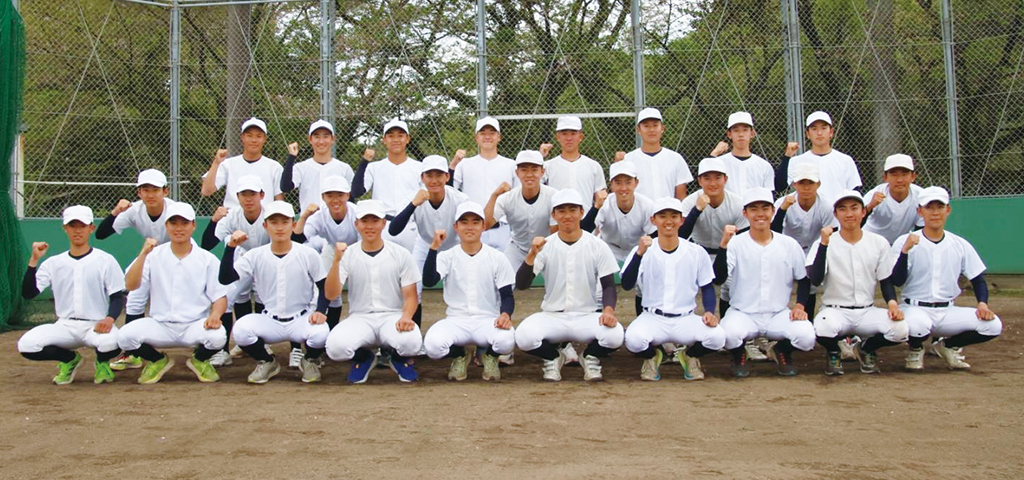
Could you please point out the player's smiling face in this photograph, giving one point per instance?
(899, 179)
(253, 140)
(569, 140)
(487, 137)
(250, 201)
(713, 183)
(529, 174)
(179, 229)
(668, 222)
(469, 227)
(820, 133)
(849, 212)
(567, 217)
(321, 141)
(434, 180)
(78, 232)
(759, 214)
(151, 196)
(624, 185)
(279, 228)
(337, 203)
(395, 140)
(935, 214)
(651, 130)
(369, 227)
(806, 189)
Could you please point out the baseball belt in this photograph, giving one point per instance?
(927, 304)
(288, 319)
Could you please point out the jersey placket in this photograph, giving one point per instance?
(179, 278)
(78, 287)
(571, 277)
(936, 270)
(282, 285)
(375, 283)
(669, 272)
(472, 282)
(764, 286)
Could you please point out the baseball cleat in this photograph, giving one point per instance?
(783, 362)
(569, 352)
(507, 359)
(221, 359)
(915, 360)
(691, 365)
(954, 357)
(204, 370)
(406, 371)
(491, 367)
(310, 370)
(295, 358)
(154, 371)
(361, 370)
(846, 349)
(236, 352)
(457, 371)
(66, 370)
(591, 368)
(753, 353)
(103, 373)
(833, 364)
(264, 371)
(553, 368)
(125, 362)
(868, 360)
(650, 369)
(738, 366)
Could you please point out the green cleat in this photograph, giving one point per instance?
(204, 370)
(491, 367)
(66, 372)
(649, 370)
(154, 371)
(104, 374)
(457, 371)
(125, 362)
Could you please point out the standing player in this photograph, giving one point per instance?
(483, 173)
(892, 206)
(224, 172)
(526, 208)
(573, 263)
(381, 300)
(836, 169)
(187, 301)
(671, 274)
(88, 294)
(662, 172)
(394, 181)
(572, 169)
(478, 291)
(746, 169)
(850, 265)
(307, 175)
(763, 267)
(928, 270)
(294, 287)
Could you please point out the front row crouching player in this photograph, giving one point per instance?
(478, 291)
(671, 274)
(763, 267)
(382, 300)
(88, 294)
(186, 301)
(850, 265)
(928, 270)
(290, 279)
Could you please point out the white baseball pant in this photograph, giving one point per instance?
(254, 326)
(368, 330)
(653, 329)
(170, 334)
(865, 322)
(476, 330)
(136, 302)
(407, 239)
(496, 238)
(558, 327)
(743, 327)
(948, 321)
(515, 256)
(69, 334)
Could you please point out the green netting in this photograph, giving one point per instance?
(12, 63)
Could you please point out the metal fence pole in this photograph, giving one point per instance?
(175, 113)
(794, 72)
(326, 64)
(639, 93)
(952, 119)
(481, 55)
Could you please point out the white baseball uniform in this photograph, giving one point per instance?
(182, 291)
(584, 175)
(233, 168)
(570, 311)
(747, 173)
(429, 218)
(375, 302)
(659, 174)
(257, 237)
(471, 284)
(805, 226)
(525, 220)
(762, 282)
(395, 186)
(136, 217)
(478, 177)
(621, 230)
(81, 295)
(707, 232)
(837, 170)
(322, 224)
(306, 176)
(890, 218)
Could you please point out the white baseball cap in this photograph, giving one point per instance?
(848, 194)
(819, 115)
(254, 122)
(667, 203)
(370, 207)
(648, 113)
(81, 213)
(568, 196)
(335, 183)
(469, 207)
(757, 194)
(806, 171)
(711, 164)
(569, 123)
(395, 123)
(321, 124)
(622, 168)
(899, 160)
(932, 194)
(252, 183)
(152, 177)
(740, 117)
(531, 157)
(279, 207)
(434, 162)
(487, 122)
(183, 210)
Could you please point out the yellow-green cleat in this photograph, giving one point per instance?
(125, 362)
(66, 370)
(204, 370)
(154, 371)
(104, 374)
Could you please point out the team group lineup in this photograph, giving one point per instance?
(486, 225)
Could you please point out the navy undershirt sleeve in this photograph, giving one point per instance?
(106, 228)
(508, 301)
(816, 272)
(28, 284)
(980, 288)
(707, 297)
(227, 267)
(430, 275)
(401, 220)
(116, 304)
(632, 271)
(287, 184)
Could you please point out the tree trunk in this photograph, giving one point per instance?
(236, 88)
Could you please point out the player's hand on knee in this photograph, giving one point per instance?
(703, 201)
(599, 197)
(148, 246)
(985, 313)
(727, 233)
(317, 318)
(220, 213)
(792, 148)
(38, 250)
(608, 318)
(212, 323)
(798, 313)
(237, 238)
(439, 237)
(405, 324)
(719, 149)
(620, 156)
(368, 154)
(825, 234)
(912, 240)
(895, 314)
(421, 196)
(710, 319)
(645, 242)
(121, 206)
(545, 149)
(503, 321)
(104, 326)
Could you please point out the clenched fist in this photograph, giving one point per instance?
(219, 213)
(792, 148)
(620, 156)
(148, 246)
(645, 242)
(788, 201)
(537, 245)
(439, 237)
(293, 149)
(310, 209)
(38, 250)
(121, 206)
(703, 201)
(339, 250)
(545, 149)
(719, 149)
(220, 156)
(368, 154)
(421, 196)
(503, 188)
(825, 234)
(237, 238)
(727, 233)
(912, 240)
(599, 197)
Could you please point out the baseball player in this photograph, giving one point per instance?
(712, 207)
(671, 273)
(290, 279)
(572, 169)
(837, 170)
(662, 172)
(88, 295)
(224, 172)
(180, 278)
(481, 174)
(382, 299)
(478, 284)
(625, 219)
(892, 206)
(850, 265)
(307, 175)
(746, 169)
(148, 217)
(763, 267)
(526, 208)
(573, 263)
(928, 269)
(393, 182)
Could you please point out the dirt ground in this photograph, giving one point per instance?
(935, 424)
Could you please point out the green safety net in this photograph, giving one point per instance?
(12, 68)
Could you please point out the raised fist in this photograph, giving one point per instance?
(148, 246)
(504, 187)
(788, 201)
(620, 156)
(545, 149)
(537, 244)
(876, 200)
(459, 155)
(912, 240)
(121, 206)
(339, 250)
(792, 148)
(237, 238)
(439, 237)
(220, 156)
(38, 250)
(727, 233)
(220, 213)
(645, 242)
(293, 149)
(599, 197)
(368, 154)
(825, 233)
(310, 209)
(720, 149)
(703, 201)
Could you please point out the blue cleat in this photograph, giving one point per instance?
(406, 371)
